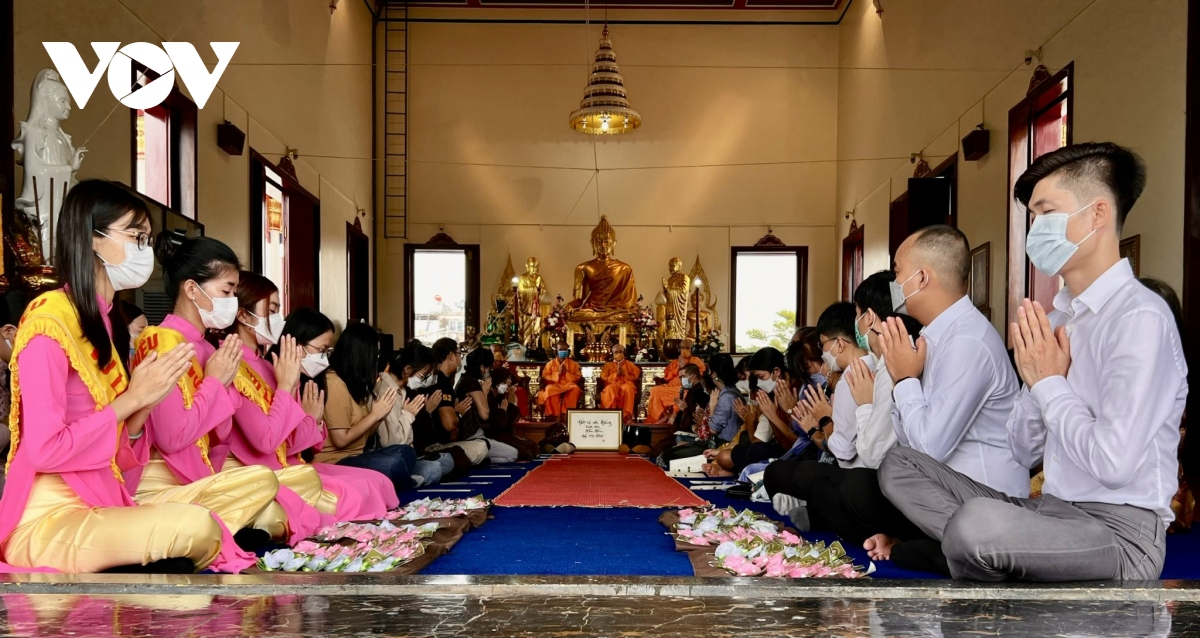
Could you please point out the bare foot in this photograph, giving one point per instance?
(879, 546)
(715, 471)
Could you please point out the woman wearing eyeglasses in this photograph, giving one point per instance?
(189, 432)
(77, 426)
(350, 493)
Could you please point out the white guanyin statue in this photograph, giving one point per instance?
(46, 153)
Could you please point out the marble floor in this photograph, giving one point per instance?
(167, 615)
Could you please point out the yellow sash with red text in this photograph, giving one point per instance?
(53, 315)
(163, 340)
(252, 386)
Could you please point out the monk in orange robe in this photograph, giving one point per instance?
(620, 383)
(560, 384)
(663, 396)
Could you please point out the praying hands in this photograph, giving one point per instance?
(1040, 351)
(862, 382)
(904, 361)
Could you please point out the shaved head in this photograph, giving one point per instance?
(944, 250)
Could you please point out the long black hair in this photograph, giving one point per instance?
(479, 358)
(720, 367)
(200, 259)
(767, 360)
(92, 207)
(356, 358)
(415, 355)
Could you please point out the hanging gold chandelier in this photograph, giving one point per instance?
(605, 107)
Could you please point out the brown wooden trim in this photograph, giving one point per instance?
(801, 253)
(472, 310)
(855, 238)
(186, 122)
(1025, 106)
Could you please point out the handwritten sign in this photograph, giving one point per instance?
(595, 429)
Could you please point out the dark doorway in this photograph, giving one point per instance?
(358, 273)
(929, 200)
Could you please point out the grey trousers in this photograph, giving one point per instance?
(990, 536)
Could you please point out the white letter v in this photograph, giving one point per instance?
(80, 82)
(192, 70)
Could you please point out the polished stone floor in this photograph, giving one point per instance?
(165, 615)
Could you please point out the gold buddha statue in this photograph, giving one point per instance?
(675, 294)
(604, 287)
(530, 289)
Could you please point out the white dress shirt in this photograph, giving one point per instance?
(876, 435)
(1109, 431)
(958, 411)
(842, 443)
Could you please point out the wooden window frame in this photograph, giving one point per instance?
(853, 253)
(472, 310)
(801, 253)
(183, 148)
(1019, 272)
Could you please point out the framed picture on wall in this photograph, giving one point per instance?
(981, 277)
(1131, 249)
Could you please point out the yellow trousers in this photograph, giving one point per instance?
(59, 530)
(301, 479)
(237, 495)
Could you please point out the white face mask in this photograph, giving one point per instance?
(1047, 244)
(743, 386)
(269, 329)
(899, 299)
(223, 314)
(830, 359)
(766, 385)
(414, 383)
(314, 364)
(502, 388)
(132, 273)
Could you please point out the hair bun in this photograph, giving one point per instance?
(167, 243)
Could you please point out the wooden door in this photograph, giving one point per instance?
(358, 273)
(303, 252)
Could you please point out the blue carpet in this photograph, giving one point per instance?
(630, 542)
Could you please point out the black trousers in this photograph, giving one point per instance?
(846, 501)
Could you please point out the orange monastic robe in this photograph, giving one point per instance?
(620, 386)
(662, 397)
(560, 389)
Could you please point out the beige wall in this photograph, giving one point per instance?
(301, 78)
(739, 133)
(922, 75)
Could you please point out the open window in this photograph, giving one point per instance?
(1041, 123)
(164, 149)
(770, 285)
(441, 289)
(285, 224)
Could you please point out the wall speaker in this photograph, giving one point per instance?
(975, 144)
(230, 138)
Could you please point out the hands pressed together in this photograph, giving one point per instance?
(1039, 350)
(905, 359)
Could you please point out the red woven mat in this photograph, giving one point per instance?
(598, 479)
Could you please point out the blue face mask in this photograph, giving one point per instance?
(562, 354)
(687, 382)
(899, 299)
(819, 379)
(1047, 244)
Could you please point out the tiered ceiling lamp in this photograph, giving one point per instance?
(605, 107)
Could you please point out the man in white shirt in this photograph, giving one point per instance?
(1105, 387)
(954, 386)
(845, 497)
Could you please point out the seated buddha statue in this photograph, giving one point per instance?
(604, 286)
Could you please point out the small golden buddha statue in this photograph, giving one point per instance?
(530, 289)
(604, 286)
(675, 292)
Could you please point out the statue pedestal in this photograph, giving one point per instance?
(621, 326)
